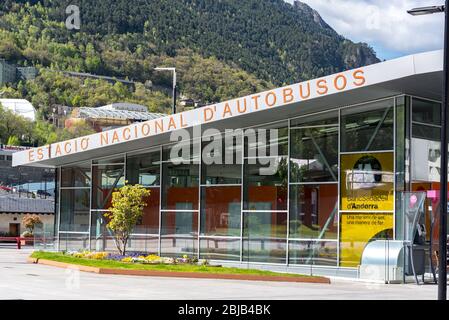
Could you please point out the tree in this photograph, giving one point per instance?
(30, 221)
(44, 132)
(12, 124)
(13, 141)
(127, 208)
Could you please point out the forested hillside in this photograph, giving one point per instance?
(221, 48)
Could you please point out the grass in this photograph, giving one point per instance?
(111, 264)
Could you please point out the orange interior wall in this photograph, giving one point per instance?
(217, 202)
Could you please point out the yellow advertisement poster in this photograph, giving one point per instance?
(367, 182)
(357, 229)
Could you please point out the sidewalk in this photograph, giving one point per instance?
(20, 280)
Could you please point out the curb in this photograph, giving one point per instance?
(179, 274)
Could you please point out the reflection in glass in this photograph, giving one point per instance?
(102, 238)
(180, 181)
(179, 233)
(73, 241)
(143, 169)
(105, 179)
(220, 248)
(426, 111)
(265, 185)
(314, 149)
(74, 210)
(264, 236)
(76, 176)
(313, 208)
(368, 128)
(426, 153)
(149, 223)
(266, 141)
(220, 211)
(143, 243)
(313, 252)
(222, 161)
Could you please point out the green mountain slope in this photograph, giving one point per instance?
(269, 38)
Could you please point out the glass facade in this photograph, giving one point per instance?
(312, 190)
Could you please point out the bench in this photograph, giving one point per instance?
(18, 240)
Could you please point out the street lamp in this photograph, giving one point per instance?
(174, 84)
(426, 10)
(442, 270)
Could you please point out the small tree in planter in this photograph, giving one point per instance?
(30, 221)
(127, 208)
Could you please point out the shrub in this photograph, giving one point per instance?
(127, 208)
(30, 221)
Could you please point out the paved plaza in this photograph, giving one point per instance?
(21, 280)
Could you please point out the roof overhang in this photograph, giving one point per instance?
(417, 75)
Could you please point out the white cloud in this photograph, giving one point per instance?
(384, 24)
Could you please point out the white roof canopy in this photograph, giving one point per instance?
(20, 107)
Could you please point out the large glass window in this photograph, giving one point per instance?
(221, 197)
(314, 211)
(74, 200)
(101, 238)
(106, 178)
(180, 179)
(426, 146)
(265, 237)
(73, 241)
(74, 210)
(149, 223)
(144, 238)
(314, 189)
(78, 176)
(313, 252)
(269, 140)
(217, 248)
(425, 111)
(143, 169)
(221, 211)
(368, 127)
(426, 155)
(222, 160)
(314, 149)
(265, 185)
(179, 234)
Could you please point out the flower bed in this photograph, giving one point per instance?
(109, 263)
(136, 257)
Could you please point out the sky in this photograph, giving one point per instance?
(384, 24)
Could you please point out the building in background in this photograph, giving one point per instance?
(20, 107)
(189, 103)
(10, 73)
(24, 190)
(7, 72)
(112, 115)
